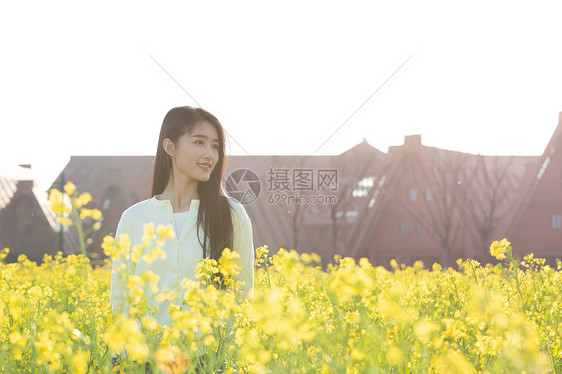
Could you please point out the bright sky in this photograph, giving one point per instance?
(94, 78)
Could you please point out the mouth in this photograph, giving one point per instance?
(205, 166)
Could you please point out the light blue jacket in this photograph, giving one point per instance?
(182, 254)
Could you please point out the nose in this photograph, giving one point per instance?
(209, 153)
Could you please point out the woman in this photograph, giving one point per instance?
(187, 193)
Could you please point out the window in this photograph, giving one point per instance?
(403, 227)
(556, 221)
(543, 168)
(363, 187)
(349, 214)
(366, 182)
(377, 191)
(428, 194)
(412, 194)
(359, 193)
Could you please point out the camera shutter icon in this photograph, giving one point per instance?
(244, 185)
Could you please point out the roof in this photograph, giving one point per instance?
(126, 176)
(394, 168)
(10, 177)
(531, 181)
(8, 187)
(363, 148)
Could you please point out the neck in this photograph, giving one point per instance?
(180, 193)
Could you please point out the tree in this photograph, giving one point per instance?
(357, 174)
(465, 197)
(440, 174)
(492, 188)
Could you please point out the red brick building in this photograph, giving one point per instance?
(26, 224)
(536, 223)
(438, 205)
(117, 182)
(415, 202)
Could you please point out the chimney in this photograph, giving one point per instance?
(412, 140)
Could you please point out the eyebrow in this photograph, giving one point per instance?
(204, 137)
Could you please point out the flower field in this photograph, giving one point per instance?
(347, 317)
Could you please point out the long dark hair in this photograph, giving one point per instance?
(214, 209)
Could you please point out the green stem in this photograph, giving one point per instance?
(473, 272)
(78, 224)
(223, 338)
(515, 266)
(267, 272)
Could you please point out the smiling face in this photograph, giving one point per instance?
(195, 154)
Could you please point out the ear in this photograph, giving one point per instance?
(169, 147)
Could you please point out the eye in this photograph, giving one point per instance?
(216, 146)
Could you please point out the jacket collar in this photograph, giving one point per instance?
(156, 202)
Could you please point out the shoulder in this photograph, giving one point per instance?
(135, 210)
(237, 208)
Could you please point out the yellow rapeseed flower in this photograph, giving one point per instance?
(499, 249)
(149, 323)
(425, 329)
(206, 268)
(352, 318)
(209, 339)
(261, 251)
(165, 232)
(17, 339)
(83, 199)
(124, 242)
(85, 213)
(148, 229)
(80, 362)
(69, 188)
(57, 204)
(171, 360)
(136, 253)
(64, 221)
(394, 355)
(227, 263)
(151, 278)
(451, 361)
(155, 253)
(133, 281)
(4, 253)
(96, 214)
(306, 258)
(108, 245)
